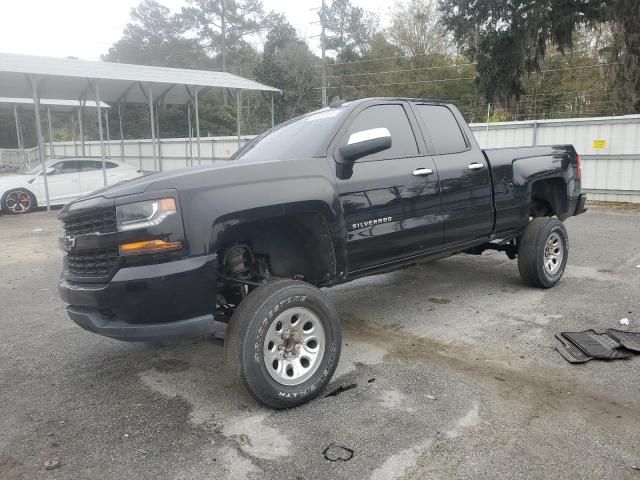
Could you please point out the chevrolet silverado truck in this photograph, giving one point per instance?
(348, 191)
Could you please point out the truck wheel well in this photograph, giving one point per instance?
(548, 198)
(296, 245)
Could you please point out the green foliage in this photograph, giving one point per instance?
(223, 25)
(349, 31)
(511, 39)
(156, 37)
(288, 64)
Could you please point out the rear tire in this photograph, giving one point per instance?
(18, 201)
(283, 343)
(543, 251)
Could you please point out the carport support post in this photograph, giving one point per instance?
(121, 136)
(96, 89)
(153, 129)
(18, 132)
(190, 133)
(106, 121)
(73, 135)
(195, 106)
(273, 113)
(36, 105)
(158, 136)
(238, 100)
(51, 152)
(81, 129)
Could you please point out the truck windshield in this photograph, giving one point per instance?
(302, 137)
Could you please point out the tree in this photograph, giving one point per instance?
(155, 37)
(222, 25)
(509, 39)
(349, 30)
(416, 28)
(288, 64)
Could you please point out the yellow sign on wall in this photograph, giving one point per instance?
(599, 144)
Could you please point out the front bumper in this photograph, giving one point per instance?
(151, 302)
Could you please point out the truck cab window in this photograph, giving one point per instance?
(443, 129)
(393, 118)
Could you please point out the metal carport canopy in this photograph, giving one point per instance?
(53, 105)
(73, 79)
(67, 79)
(62, 106)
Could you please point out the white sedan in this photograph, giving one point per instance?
(68, 179)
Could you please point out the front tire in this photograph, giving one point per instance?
(543, 251)
(18, 201)
(283, 343)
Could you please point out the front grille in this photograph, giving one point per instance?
(99, 221)
(93, 263)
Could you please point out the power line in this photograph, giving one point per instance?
(404, 70)
(404, 83)
(396, 57)
(465, 65)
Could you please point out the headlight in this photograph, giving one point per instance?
(145, 214)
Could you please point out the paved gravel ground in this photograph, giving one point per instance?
(454, 364)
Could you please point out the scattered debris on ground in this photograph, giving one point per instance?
(340, 389)
(51, 463)
(601, 344)
(441, 301)
(334, 452)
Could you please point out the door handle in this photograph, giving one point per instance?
(422, 172)
(475, 166)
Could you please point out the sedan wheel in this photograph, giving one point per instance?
(18, 201)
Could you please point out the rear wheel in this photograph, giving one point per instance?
(543, 251)
(18, 201)
(283, 343)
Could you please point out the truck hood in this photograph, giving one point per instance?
(169, 179)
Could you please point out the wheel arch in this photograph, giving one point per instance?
(299, 239)
(548, 197)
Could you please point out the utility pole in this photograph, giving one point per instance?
(223, 34)
(323, 46)
(323, 41)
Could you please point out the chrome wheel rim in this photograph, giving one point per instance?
(18, 201)
(553, 253)
(294, 346)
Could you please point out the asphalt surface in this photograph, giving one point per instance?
(454, 365)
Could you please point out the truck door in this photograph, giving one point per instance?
(391, 202)
(465, 180)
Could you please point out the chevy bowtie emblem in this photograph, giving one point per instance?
(69, 242)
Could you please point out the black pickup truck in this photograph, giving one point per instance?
(347, 191)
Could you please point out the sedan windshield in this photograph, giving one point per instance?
(38, 168)
(302, 137)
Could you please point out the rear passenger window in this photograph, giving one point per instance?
(91, 165)
(443, 129)
(393, 118)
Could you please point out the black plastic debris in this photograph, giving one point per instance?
(581, 347)
(629, 340)
(340, 389)
(335, 453)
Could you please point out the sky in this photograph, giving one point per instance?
(87, 28)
